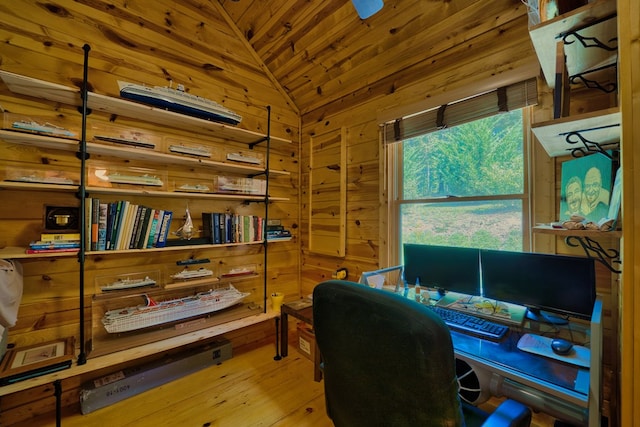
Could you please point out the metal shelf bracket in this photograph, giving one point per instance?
(595, 251)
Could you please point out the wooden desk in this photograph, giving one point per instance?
(302, 310)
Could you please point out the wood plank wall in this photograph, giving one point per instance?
(131, 41)
(503, 53)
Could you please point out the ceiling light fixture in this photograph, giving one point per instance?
(367, 8)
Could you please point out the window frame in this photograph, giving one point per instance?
(392, 192)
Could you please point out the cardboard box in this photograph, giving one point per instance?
(306, 341)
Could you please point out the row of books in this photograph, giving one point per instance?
(124, 225)
(55, 242)
(224, 227)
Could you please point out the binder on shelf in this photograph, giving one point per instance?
(147, 232)
(111, 214)
(164, 229)
(102, 226)
(210, 227)
(153, 240)
(135, 227)
(95, 214)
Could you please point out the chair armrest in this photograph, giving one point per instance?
(509, 413)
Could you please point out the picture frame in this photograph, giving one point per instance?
(21, 363)
(586, 187)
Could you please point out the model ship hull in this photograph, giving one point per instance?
(128, 284)
(124, 141)
(117, 178)
(45, 129)
(194, 151)
(153, 314)
(193, 274)
(179, 102)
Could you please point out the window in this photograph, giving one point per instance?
(460, 186)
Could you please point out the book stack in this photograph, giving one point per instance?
(226, 227)
(55, 242)
(276, 231)
(123, 225)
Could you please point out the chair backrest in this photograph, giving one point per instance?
(387, 360)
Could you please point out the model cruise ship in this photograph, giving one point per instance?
(145, 179)
(192, 274)
(156, 313)
(179, 101)
(128, 284)
(46, 128)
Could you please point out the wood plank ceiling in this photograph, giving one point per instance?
(320, 52)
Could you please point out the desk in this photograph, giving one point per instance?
(567, 392)
(302, 310)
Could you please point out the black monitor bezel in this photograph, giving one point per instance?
(465, 261)
(554, 297)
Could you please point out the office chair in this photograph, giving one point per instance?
(388, 361)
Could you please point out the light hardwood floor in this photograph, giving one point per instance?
(249, 390)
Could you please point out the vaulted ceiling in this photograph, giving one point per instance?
(320, 52)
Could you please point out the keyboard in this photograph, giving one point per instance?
(471, 324)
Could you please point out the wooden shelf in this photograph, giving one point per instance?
(171, 248)
(546, 35)
(562, 232)
(116, 358)
(7, 185)
(156, 157)
(14, 252)
(601, 127)
(71, 145)
(182, 194)
(71, 96)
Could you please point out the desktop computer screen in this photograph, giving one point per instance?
(558, 284)
(445, 267)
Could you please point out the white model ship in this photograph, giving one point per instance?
(192, 274)
(157, 313)
(198, 188)
(194, 151)
(44, 179)
(240, 271)
(179, 101)
(46, 128)
(145, 179)
(238, 157)
(128, 284)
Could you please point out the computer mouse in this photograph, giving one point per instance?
(561, 346)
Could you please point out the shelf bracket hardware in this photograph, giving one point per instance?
(593, 84)
(595, 251)
(588, 147)
(589, 41)
(260, 141)
(610, 45)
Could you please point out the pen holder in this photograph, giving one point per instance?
(276, 300)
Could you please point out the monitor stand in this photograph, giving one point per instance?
(542, 316)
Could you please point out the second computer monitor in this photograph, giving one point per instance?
(558, 284)
(444, 267)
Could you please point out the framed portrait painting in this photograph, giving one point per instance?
(586, 187)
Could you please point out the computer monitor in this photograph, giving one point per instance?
(559, 284)
(444, 267)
